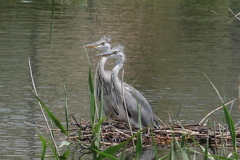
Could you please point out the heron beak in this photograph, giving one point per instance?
(105, 54)
(91, 45)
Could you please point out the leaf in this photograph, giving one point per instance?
(183, 151)
(44, 147)
(172, 151)
(235, 155)
(182, 144)
(65, 155)
(66, 106)
(139, 146)
(54, 119)
(64, 143)
(112, 150)
(53, 149)
(91, 98)
(206, 148)
(96, 133)
(106, 155)
(228, 118)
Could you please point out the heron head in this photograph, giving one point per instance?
(116, 52)
(103, 44)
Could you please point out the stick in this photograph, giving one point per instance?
(214, 111)
(124, 101)
(214, 12)
(44, 116)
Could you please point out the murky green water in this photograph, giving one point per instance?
(169, 45)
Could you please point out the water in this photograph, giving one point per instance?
(169, 45)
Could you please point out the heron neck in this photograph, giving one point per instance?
(102, 64)
(115, 71)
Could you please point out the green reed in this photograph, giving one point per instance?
(182, 147)
(229, 121)
(184, 150)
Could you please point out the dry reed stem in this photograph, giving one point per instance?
(40, 106)
(200, 123)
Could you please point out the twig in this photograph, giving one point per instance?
(170, 120)
(231, 11)
(160, 120)
(235, 15)
(40, 106)
(124, 101)
(34, 125)
(121, 132)
(214, 12)
(214, 111)
(75, 121)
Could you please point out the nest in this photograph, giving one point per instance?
(115, 132)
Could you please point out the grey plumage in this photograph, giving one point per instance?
(103, 77)
(121, 91)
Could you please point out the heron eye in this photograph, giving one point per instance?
(102, 43)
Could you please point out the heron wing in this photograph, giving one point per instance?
(135, 99)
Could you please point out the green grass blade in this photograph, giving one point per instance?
(53, 118)
(101, 105)
(105, 155)
(206, 149)
(123, 154)
(91, 98)
(228, 118)
(172, 151)
(139, 139)
(114, 149)
(139, 146)
(44, 147)
(183, 151)
(182, 143)
(65, 155)
(235, 155)
(202, 149)
(53, 149)
(96, 130)
(66, 107)
(154, 145)
(231, 127)
(100, 121)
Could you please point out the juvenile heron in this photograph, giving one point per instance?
(122, 91)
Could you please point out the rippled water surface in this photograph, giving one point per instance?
(169, 47)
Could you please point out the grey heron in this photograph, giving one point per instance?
(122, 93)
(103, 77)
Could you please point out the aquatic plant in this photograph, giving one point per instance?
(186, 146)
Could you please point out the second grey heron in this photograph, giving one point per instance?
(125, 99)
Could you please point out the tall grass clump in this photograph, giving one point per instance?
(229, 121)
(180, 149)
(53, 119)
